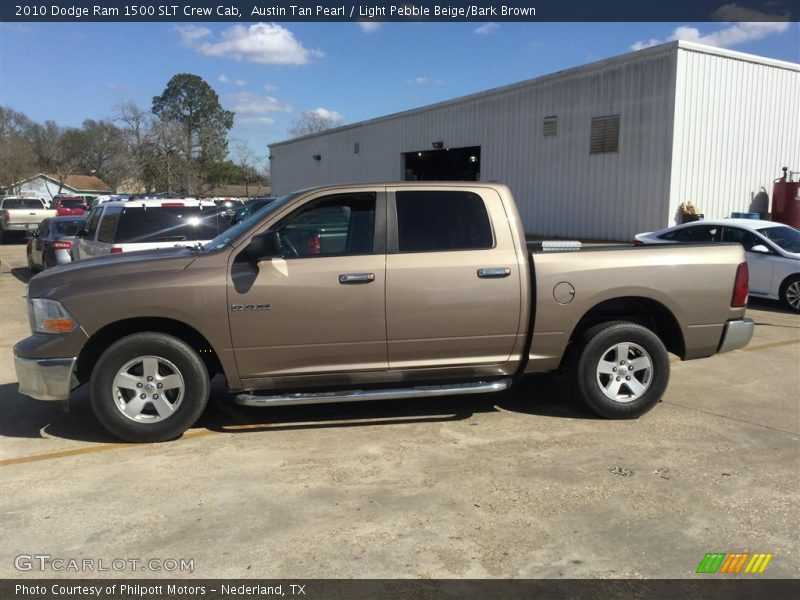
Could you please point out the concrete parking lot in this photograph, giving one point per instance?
(519, 484)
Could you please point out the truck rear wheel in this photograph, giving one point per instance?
(149, 387)
(622, 370)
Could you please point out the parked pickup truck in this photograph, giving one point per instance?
(430, 290)
(19, 215)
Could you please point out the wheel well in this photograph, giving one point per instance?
(642, 311)
(109, 334)
(787, 280)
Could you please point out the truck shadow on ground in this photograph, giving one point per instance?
(24, 274)
(542, 396)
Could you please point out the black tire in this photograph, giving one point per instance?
(173, 357)
(636, 390)
(789, 290)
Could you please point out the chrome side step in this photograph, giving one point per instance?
(428, 391)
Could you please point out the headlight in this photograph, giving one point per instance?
(49, 316)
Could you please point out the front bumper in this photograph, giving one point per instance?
(737, 334)
(46, 378)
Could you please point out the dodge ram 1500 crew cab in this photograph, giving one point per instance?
(364, 292)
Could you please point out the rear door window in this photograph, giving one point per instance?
(91, 223)
(108, 225)
(435, 221)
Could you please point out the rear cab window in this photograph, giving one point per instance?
(67, 228)
(72, 203)
(441, 221)
(31, 203)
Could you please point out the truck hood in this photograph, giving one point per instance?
(52, 282)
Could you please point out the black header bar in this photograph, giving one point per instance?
(699, 588)
(246, 11)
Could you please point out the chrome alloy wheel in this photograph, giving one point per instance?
(793, 294)
(624, 372)
(148, 389)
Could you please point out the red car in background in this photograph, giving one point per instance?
(70, 206)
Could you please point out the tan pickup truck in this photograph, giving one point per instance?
(365, 292)
(20, 215)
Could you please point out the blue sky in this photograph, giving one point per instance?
(269, 73)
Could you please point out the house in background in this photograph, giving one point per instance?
(50, 186)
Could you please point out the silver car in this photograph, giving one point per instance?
(51, 244)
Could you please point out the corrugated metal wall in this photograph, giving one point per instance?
(560, 188)
(737, 122)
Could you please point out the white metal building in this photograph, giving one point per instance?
(601, 151)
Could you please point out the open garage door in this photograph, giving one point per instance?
(447, 164)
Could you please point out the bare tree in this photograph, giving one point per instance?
(245, 158)
(314, 121)
(166, 163)
(55, 148)
(17, 158)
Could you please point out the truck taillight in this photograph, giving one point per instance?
(314, 245)
(740, 286)
(6, 216)
(62, 245)
(116, 250)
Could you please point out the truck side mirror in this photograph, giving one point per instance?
(264, 246)
(81, 233)
(760, 249)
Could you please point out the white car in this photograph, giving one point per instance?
(118, 226)
(772, 251)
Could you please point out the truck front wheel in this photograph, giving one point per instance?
(622, 370)
(149, 387)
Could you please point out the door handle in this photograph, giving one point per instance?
(346, 278)
(494, 272)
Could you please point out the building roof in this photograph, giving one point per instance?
(646, 53)
(83, 183)
(77, 183)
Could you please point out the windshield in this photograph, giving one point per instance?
(73, 203)
(229, 235)
(788, 238)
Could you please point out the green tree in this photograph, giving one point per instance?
(191, 104)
